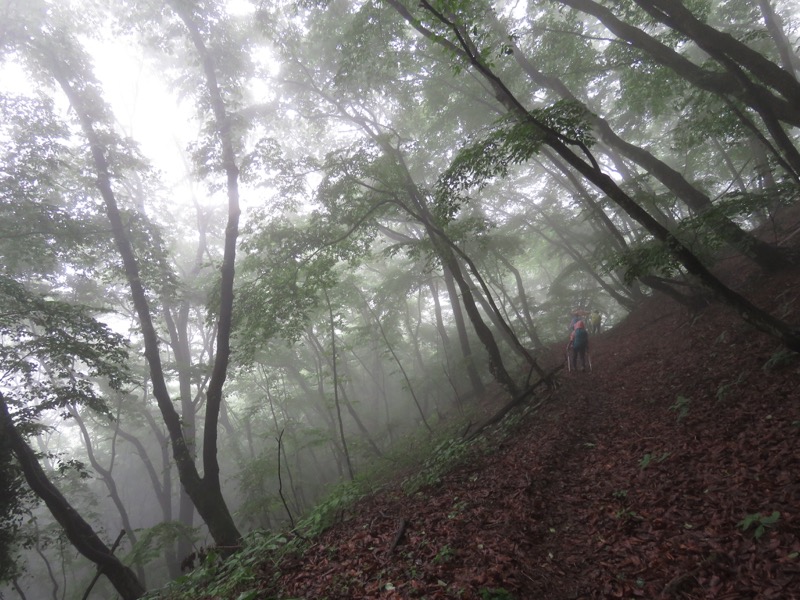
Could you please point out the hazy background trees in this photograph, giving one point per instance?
(426, 191)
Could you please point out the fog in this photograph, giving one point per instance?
(256, 256)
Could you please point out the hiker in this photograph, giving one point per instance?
(579, 341)
(577, 315)
(595, 320)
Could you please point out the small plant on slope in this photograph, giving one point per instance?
(761, 522)
(681, 406)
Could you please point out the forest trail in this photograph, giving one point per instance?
(658, 475)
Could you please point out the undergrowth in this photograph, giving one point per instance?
(423, 459)
(235, 577)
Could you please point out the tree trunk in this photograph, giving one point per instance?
(415, 205)
(336, 389)
(734, 56)
(377, 322)
(789, 58)
(340, 392)
(719, 83)
(496, 365)
(524, 304)
(226, 531)
(461, 329)
(78, 531)
(162, 491)
(722, 45)
(110, 483)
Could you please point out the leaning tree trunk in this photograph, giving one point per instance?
(399, 363)
(790, 336)
(738, 60)
(524, 309)
(768, 257)
(415, 205)
(496, 365)
(716, 82)
(78, 531)
(161, 489)
(720, 45)
(111, 485)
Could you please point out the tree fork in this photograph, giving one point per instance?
(205, 492)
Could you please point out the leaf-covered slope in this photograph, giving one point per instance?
(671, 471)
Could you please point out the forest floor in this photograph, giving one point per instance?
(670, 471)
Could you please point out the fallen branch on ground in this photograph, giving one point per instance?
(516, 401)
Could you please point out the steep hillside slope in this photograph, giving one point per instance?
(671, 471)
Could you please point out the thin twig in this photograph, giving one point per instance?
(280, 481)
(114, 546)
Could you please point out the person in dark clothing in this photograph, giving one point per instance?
(579, 340)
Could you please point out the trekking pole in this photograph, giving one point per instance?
(589, 358)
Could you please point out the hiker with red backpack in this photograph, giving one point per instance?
(579, 346)
(576, 315)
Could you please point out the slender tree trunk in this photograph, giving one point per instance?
(445, 345)
(48, 566)
(377, 322)
(321, 409)
(525, 306)
(336, 389)
(584, 264)
(342, 395)
(736, 174)
(282, 448)
(461, 329)
(161, 489)
(789, 58)
(18, 589)
(183, 547)
(413, 331)
(380, 383)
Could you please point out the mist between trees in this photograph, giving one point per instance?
(429, 189)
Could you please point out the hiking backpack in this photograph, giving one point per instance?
(581, 338)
